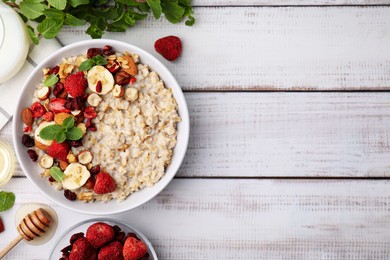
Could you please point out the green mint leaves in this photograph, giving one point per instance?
(50, 80)
(88, 64)
(100, 15)
(61, 133)
(57, 174)
(7, 200)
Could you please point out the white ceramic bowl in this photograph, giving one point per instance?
(83, 226)
(32, 170)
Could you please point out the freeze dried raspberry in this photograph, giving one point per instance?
(169, 47)
(37, 110)
(48, 116)
(76, 84)
(89, 112)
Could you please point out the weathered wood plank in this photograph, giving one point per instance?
(314, 48)
(287, 2)
(286, 134)
(247, 219)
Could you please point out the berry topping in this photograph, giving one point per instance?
(59, 150)
(99, 234)
(76, 84)
(104, 183)
(82, 249)
(169, 47)
(37, 110)
(133, 249)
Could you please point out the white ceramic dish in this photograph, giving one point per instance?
(32, 170)
(83, 226)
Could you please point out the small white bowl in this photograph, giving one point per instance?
(83, 226)
(33, 171)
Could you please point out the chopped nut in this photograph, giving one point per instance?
(76, 112)
(43, 93)
(71, 158)
(94, 100)
(118, 91)
(63, 165)
(87, 196)
(82, 127)
(45, 161)
(46, 173)
(131, 94)
(84, 157)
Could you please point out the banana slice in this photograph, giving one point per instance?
(38, 130)
(100, 73)
(76, 175)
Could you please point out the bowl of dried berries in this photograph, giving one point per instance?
(103, 239)
(101, 121)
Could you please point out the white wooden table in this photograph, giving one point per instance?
(289, 155)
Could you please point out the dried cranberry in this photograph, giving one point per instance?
(92, 52)
(131, 234)
(89, 112)
(95, 169)
(27, 140)
(33, 155)
(64, 257)
(70, 195)
(76, 143)
(27, 129)
(54, 70)
(84, 97)
(74, 238)
(48, 116)
(107, 50)
(116, 229)
(66, 250)
(58, 89)
(37, 110)
(98, 87)
(92, 128)
(51, 179)
(120, 236)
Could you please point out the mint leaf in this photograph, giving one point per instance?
(74, 134)
(99, 60)
(49, 28)
(94, 31)
(31, 10)
(172, 10)
(57, 174)
(60, 137)
(58, 4)
(73, 21)
(50, 80)
(68, 123)
(75, 3)
(54, 14)
(50, 132)
(155, 5)
(7, 200)
(86, 65)
(33, 36)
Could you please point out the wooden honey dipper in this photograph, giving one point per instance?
(32, 226)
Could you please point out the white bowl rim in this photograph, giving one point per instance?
(183, 110)
(141, 235)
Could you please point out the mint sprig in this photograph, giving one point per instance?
(101, 15)
(88, 64)
(7, 200)
(57, 173)
(50, 80)
(67, 131)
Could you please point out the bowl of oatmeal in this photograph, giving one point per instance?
(101, 127)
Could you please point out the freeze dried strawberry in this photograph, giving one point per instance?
(1, 225)
(76, 84)
(89, 112)
(37, 110)
(48, 116)
(169, 47)
(27, 129)
(133, 249)
(112, 251)
(104, 183)
(82, 250)
(57, 105)
(59, 151)
(99, 234)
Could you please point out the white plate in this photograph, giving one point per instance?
(33, 171)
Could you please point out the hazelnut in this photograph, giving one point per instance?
(131, 94)
(82, 127)
(43, 93)
(84, 157)
(122, 78)
(63, 165)
(76, 112)
(94, 100)
(118, 91)
(71, 158)
(45, 161)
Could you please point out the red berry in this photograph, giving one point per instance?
(1, 225)
(58, 89)
(104, 183)
(133, 249)
(82, 250)
(54, 70)
(57, 105)
(112, 251)
(27, 129)
(37, 110)
(99, 234)
(107, 50)
(59, 150)
(76, 84)
(133, 80)
(92, 52)
(169, 47)
(89, 112)
(48, 116)
(98, 87)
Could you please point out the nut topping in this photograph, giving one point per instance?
(46, 161)
(84, 157)
(94, 100)
(43, 93)
(131, 94)
(27, 117)
(118, 91)
(122, 78)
